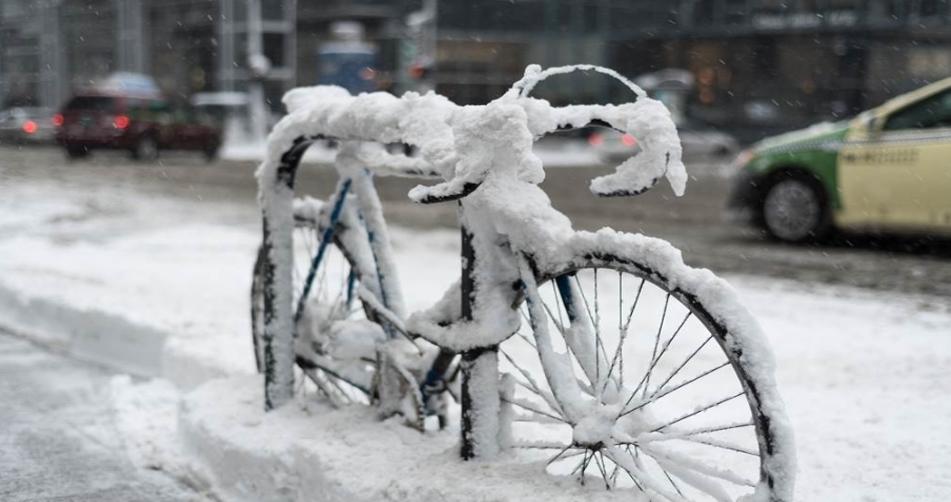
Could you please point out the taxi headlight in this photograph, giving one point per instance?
(743, 159)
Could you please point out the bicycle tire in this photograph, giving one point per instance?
(708, 308)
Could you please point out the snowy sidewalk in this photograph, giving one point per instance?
(865, 376)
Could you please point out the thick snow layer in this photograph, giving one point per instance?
(466, 143)
(864, 375)
(308, 451)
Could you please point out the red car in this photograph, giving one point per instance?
(141, 125)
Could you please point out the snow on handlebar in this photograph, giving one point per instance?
(465, 144)
(646, 119)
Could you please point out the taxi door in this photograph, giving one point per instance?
(896, 173)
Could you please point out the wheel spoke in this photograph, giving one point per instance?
(337, 303)
(638, 474)
(321, 278)
(645, 380)
(559, 325)
(618, 468)
(617, 359)
(667, 475)
(659, 393)
(678, 433)
(684, 363)
(582, 465)
(561, 455)
(699, 410)
(567, 393)
(571, 346)
(681, 460)
(696, 480)
(526, 405)
(532, 384)
(637, 297)
(693, 436)
(554, 290)
(683, 442)
(534, 419)
(527, 340)
(669, 479)
(597, 336)
(718, 443)
(597, 331)
(650, 366)
(599, 460)
(654, 357)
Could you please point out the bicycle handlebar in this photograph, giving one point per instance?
(464, 144)
(535, 75)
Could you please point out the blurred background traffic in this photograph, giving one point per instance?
(147, 76)
(747, 68)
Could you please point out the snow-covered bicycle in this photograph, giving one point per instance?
(598, 355)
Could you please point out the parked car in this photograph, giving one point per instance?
(24, 125)
(888, 169)
(143, 125)
(699, 142)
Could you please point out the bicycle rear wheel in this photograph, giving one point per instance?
(625, 377)
(334, 338)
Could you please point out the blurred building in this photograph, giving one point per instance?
(755, 63)
(758, 64)
(48, 48)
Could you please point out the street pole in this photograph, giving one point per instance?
(54, 83)
(421, 30)
(258, 66)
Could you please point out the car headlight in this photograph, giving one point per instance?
(743, 158)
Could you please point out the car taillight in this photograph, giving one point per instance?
(120, 122)
(595, 139)
(58, 120)
(29, 127)
(628, 140)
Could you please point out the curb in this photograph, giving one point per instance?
(106, 339)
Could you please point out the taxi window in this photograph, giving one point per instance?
(928, 113)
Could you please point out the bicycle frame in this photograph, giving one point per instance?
(438, 371)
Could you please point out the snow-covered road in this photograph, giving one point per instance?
(866, 375)
(59, 439)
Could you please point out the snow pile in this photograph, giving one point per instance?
(157, 303)
(307, 451)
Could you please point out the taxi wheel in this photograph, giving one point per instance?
(794, 209)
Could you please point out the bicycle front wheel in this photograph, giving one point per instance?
(630, 376)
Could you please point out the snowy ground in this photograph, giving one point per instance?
(60, 439)
(158, 286)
